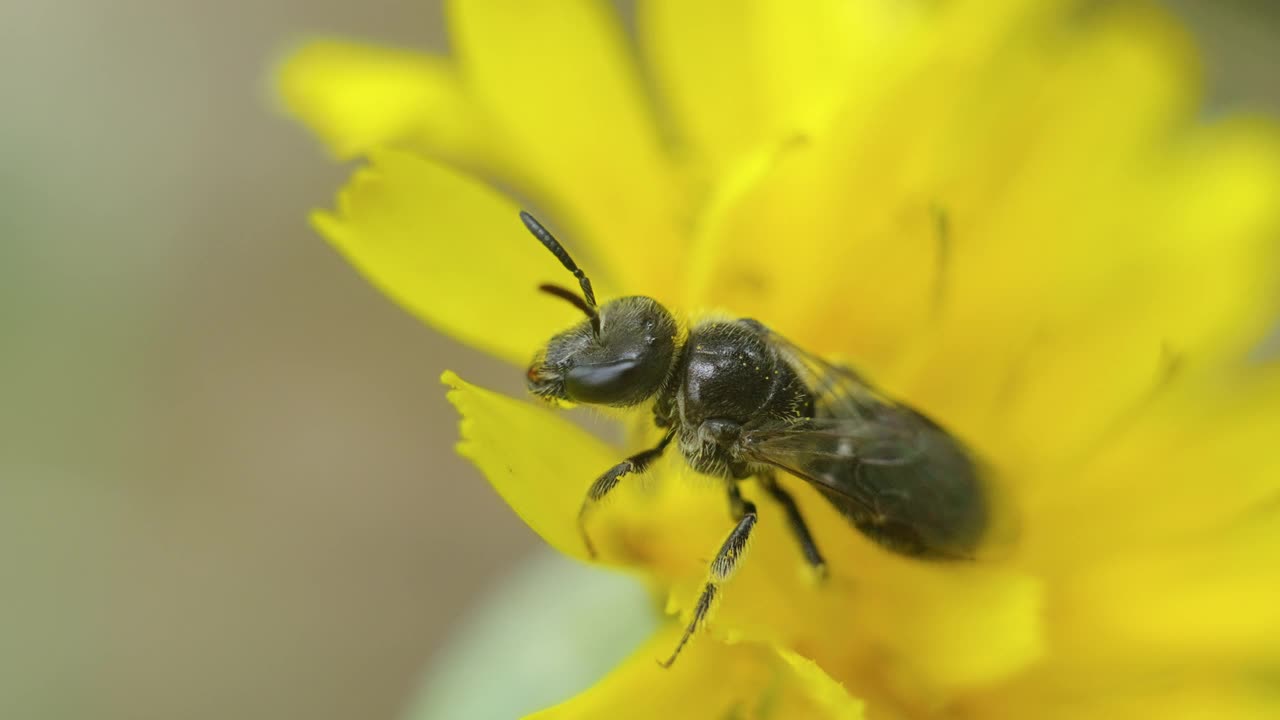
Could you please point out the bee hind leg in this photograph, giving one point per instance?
(769, 481)
(722, 567)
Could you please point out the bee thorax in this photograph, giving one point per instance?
(722, 433)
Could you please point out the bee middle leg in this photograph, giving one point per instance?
(609, 480)
(769, 481)
(722, 567)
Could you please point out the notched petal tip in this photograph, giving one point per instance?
(539, 462)
(821, 688)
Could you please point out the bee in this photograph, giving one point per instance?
(739, 401)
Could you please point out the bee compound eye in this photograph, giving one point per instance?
(620, 382)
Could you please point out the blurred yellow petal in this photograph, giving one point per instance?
(1175, 601)
(1213, 472)
(739, 76)
(1193, 285)
(1119, 697)
(357, 97)
(537, 460)
(1179, 702)
(825, 692)
(450, 250)
(856, 206)
(712, 681)
(566, 98)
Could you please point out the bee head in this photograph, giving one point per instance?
(623, 365)
(620, 355)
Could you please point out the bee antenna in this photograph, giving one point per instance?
(586, 303)
(569, 296)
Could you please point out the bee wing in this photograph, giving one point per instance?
(844, 439)
(901, 480)
(839, 390)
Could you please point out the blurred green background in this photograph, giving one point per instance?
(227, 485)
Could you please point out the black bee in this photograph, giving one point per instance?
(742, 402)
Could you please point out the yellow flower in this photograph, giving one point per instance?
(1004, 212)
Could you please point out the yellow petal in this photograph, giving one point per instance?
(1123, 696)
(563, 94)
(845, 232)
(1195, 283)
(1179, 539)
(357, 97)
(825, 692)
(539, 462)
(1195, 700)
(1188, 464)
(741, 76)
(451, 251)
(1210, 602)
(713, 680)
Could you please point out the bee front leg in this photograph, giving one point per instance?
(609, 480)
(722, 567)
